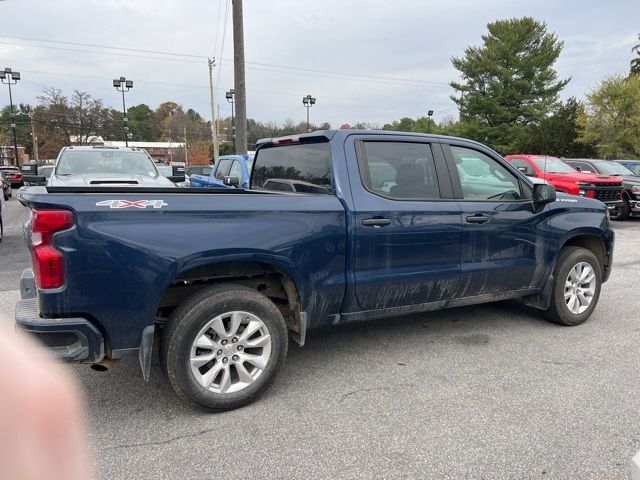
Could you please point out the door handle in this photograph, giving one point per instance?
(376, 222)
(477, 218)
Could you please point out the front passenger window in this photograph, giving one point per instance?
(483, 178)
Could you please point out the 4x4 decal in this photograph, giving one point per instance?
(132, 203)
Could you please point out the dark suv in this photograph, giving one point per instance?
(631, 182)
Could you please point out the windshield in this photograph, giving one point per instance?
(612, 168)
(553, 165)
(92, 162)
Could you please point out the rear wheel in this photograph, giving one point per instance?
(224, 346)
(576, 289)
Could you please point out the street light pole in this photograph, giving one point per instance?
(11, 79)
(429, 114)
(308, 102)
(123, 85)
(231, 98)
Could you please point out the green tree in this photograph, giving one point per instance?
(508, 82)
(143, 123)
(23, 126)
(635, 63)
(559, 134)
(611, 118)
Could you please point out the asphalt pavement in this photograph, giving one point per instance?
(484, 392)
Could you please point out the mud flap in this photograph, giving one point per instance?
(146, 350)
(541, 300)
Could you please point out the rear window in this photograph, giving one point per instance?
(304, 168)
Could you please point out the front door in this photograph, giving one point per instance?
(408, 227)
(503, 238)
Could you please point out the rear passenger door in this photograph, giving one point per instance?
(503, 239)
(407, 225)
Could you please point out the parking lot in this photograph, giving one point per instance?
(490, 391)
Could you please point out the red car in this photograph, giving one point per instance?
(567, 179)
(13, 175)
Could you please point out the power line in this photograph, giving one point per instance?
(102, 53)
(81, 44)
(272, 65)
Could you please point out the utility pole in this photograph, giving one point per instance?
(11, 78)
(239, 82)
(34, 139)
(186, 151)
(214, 119)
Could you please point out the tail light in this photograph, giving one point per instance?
(48, 263)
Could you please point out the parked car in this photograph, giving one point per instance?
(222, 277)
(13, 174)
(6, 187)
(229, 171)
(167, 171)
(606, 188)
(105, 166)
(630, 181)
(633, 165)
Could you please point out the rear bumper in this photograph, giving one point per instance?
(68, 339)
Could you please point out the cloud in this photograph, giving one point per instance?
(406, 42)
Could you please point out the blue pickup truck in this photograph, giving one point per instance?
(230, 171)
(221, 279)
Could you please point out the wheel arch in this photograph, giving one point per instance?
(592, 242)
(275, 278)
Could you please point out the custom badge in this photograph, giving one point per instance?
(132, 203)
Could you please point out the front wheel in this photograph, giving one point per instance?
(623, 212)
(576, 289)
(224, 346)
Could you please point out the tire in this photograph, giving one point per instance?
(623, 212)
(559, 311)
(203, 317)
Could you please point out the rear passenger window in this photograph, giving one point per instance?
(399, 170)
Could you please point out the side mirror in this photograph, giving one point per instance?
(29, 169)
(232, 181)
(543, 193)
(177, 178)
(37, 180)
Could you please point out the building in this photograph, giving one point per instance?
(7, 154)
(159, 151)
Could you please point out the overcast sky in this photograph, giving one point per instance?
(380, 60)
